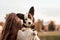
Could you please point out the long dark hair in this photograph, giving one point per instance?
(11, 27)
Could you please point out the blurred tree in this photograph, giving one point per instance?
(51, 26)
(6, 16)
(39, 25)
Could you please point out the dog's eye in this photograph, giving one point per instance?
(25, 19)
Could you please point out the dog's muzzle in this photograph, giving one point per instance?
(31, 26)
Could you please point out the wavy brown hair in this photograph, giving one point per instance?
(11, 27)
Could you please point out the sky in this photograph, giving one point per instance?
(45, 10)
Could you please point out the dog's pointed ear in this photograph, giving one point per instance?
(31, 11)
(21, 16)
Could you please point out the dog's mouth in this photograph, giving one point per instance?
(29, 26)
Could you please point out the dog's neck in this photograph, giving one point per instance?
(27, 27)
(24, 25)
(24, 29)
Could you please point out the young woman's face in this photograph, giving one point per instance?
(18, 19)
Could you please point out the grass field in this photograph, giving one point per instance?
(49, 35)
(55, 33)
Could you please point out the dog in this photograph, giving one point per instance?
(27, 32)
(28, 18)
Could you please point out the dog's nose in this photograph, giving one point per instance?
(29, 22)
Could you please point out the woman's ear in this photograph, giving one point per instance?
(31, 11)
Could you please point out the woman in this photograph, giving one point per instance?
(12, 25)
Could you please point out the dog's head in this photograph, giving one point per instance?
(28, 18)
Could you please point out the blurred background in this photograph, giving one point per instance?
(47, 15)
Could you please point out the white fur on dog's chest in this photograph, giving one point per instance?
(27, 35)
(24, 35)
